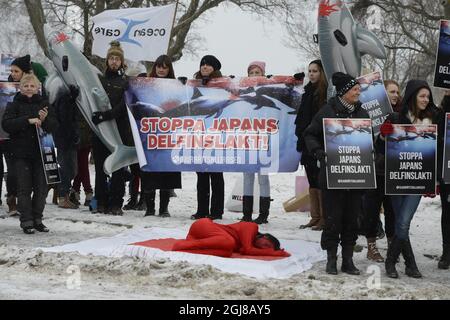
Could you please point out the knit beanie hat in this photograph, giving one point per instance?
(24, 63)
(259, 64)
(211, 61)
(343, 82)
(115, 50)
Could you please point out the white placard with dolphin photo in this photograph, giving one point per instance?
(143, 33)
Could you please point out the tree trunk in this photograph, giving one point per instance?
(37, 19)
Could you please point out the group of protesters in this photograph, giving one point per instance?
(334, 212)
(337, 211)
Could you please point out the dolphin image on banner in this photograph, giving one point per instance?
(72, 68)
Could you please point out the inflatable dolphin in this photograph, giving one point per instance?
(72, 68)
(342, 42)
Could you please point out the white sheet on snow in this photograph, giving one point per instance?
(303, 253)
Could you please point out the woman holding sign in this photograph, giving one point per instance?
(417, 108)
(209, 69)
(164, 181)
(341, 207)
(28, 111)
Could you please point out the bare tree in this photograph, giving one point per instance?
(59, 13)
(408, 29)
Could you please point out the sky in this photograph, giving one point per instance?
(236, 38)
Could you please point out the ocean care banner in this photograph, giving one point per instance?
(411, 159)
(229, 125)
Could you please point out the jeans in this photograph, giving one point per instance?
(249, 182)
(404, 208)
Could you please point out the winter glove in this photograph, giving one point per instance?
(438, 190)
(232, 76)
(205, 81)
(74, 91)
(299, 76)
(320, 155)
(98, 117)
(386, 128)
(269, 76)
(76, 140)
(183, 80)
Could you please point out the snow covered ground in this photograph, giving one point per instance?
(27, 273)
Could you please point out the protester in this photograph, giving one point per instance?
(83, 176)
(417, 108)
(374, 198)
(28, 111)
(393, 92)
(444, 261)
(67, 138)
(256, 69)
(340, 207)
(314, 97)
(208, 237)
(115, 84)
(209, 68)
(164, 181)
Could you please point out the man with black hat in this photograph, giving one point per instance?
(115, 84)
(340, 207)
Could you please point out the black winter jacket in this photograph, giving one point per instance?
(309, 107)
(23, 135)
(314, 137)
(115, 86)
(67, 135)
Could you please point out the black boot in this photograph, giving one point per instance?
(247, 208)
(149, 197)
(394, 250)
(444, 262)
(164, 198)
(133, 191)
(411, 269)
(331, 261)
(347, 261)
(264, 205)
(141, 204)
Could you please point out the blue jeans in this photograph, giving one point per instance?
(249, 182)
(68, 162)
(404, 208)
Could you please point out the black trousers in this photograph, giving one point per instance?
(445, 217)
(341, 209)
(204, 181)
(372, 201)
(30, 180)
(112, 196)
(312, 173)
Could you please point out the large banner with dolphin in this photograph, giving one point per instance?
(230, 125)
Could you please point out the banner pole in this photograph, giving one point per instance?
(173, 22)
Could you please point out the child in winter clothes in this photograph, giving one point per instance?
(28, 111)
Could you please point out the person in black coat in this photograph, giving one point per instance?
(340, 207)
(67, 138)
(444, 261)
(164, 181)
(210, 185)
(28, 111)
(115, 84)
(417, 108)
(313, 99)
